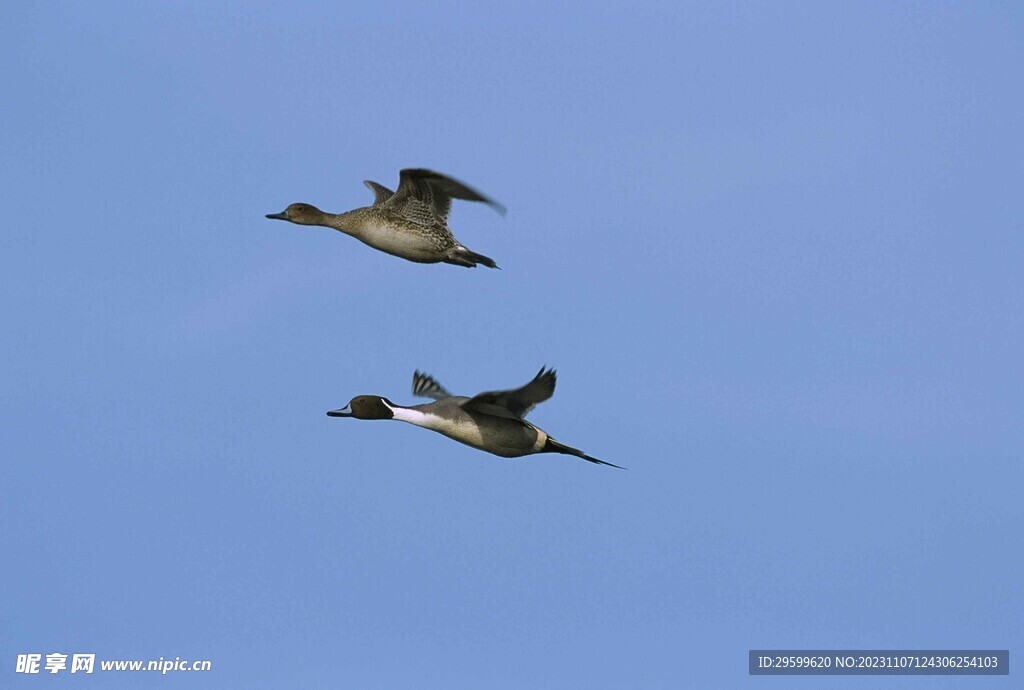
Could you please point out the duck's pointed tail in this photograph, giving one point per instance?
(461, 256)
(553, 446)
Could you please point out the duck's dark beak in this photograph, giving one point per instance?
(343, 412)
(278, 216)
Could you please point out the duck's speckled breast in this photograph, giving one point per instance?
(397, 236)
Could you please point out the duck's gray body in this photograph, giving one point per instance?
(509, 438)
(411, 223)
(491, 421)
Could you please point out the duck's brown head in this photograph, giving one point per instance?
(303, 214)
(366, 407)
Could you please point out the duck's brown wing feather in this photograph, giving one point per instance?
(380, 193)
(424, 196)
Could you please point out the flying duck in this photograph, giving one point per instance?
(411, 223)
(491, 421)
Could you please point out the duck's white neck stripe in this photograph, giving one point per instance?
(404, 414)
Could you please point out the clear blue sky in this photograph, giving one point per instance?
(773, 249)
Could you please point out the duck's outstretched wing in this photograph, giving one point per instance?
(425, 386)
(380, 193)
(425, 196)
(515, 404)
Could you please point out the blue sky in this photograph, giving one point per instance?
(773, 250)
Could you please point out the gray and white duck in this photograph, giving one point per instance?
(492, 421)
